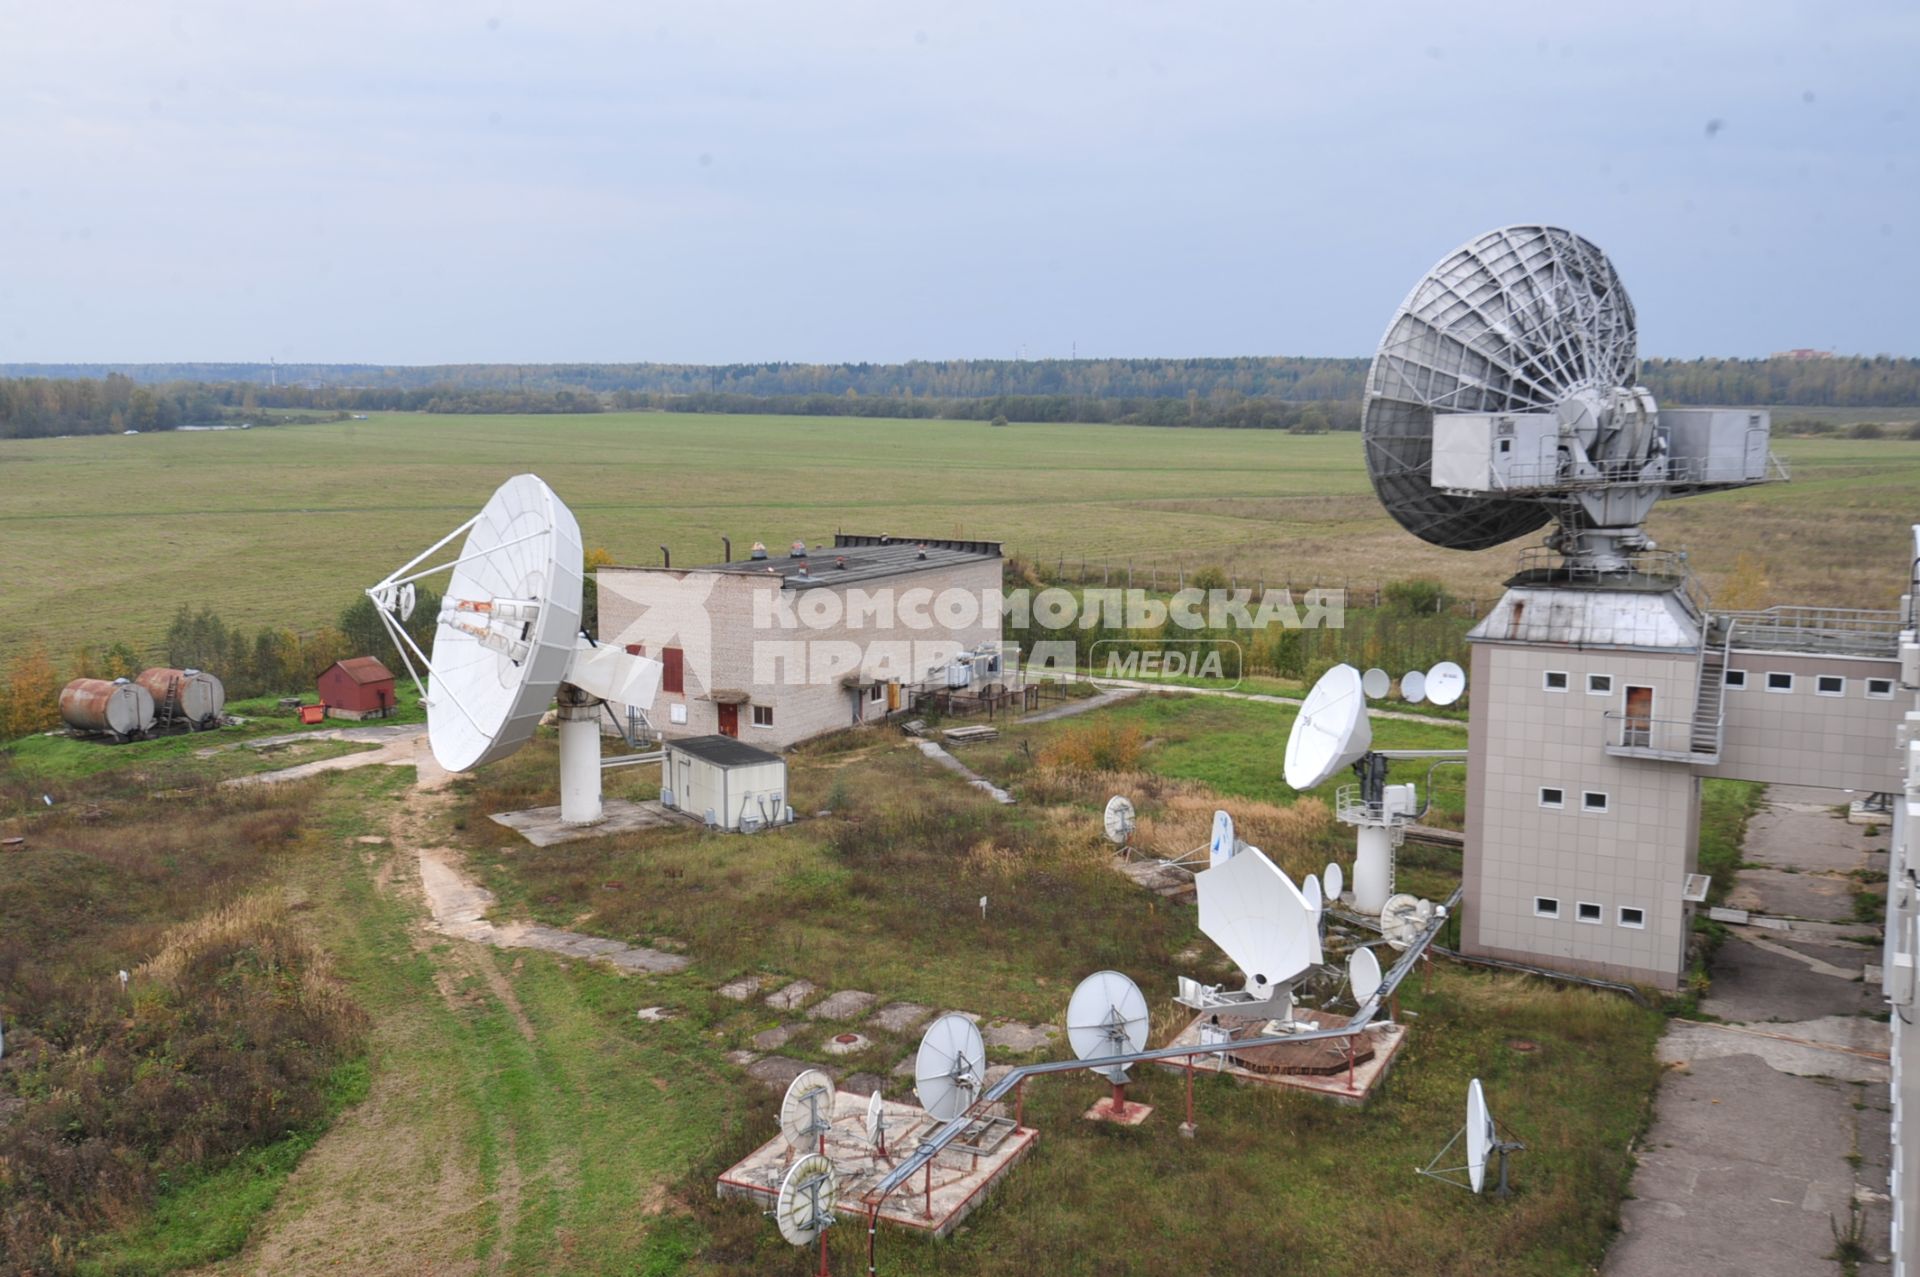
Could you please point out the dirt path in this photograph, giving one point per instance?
(401, 749)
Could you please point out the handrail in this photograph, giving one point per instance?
(1655, 735)
(1831, 630)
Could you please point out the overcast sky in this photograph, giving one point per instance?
(413, 181)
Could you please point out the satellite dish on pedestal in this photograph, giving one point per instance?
(1375, 683)
(1363, 973)
(1480, 1134)
(1403, 918)
(1119, 820)
(1483, 1143)
(951, 1067)
(1310, 891)
(1331, 730)
(1223, 844)
(1259, 919)
(1446, 683)
(806, 1114)
(808, 1194)
(1413, 686)
(1107, 1015)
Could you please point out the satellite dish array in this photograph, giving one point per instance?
(508, 643)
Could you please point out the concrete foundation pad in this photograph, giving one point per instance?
(959, 1181)
(843, 1005)
(794, 996)
(543, 827)
(775, 1038)
(1019, 1038)
(1126, 1113)
(740, 990)
(777, 1071)
(901, 1017)
(1386, 1039)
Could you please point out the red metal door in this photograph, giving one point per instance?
(729, 720)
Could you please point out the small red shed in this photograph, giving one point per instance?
(358, 687)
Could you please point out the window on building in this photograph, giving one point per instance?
(763, 716)
(1589, 911)
(1632, 916)
(1830, 685)
(1778, 682)
(673, 676)
(1599, 684)
(676, 713)
(877, 693)
(1554, 680)
(1551, 797)
(1546, 907)
(1880, 689)
(1593, 800)
(1736, 679)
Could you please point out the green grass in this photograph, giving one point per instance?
(285, 525)
(1725, 808)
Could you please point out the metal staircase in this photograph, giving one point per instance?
(1710, 695)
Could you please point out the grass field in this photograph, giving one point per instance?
(104, 537)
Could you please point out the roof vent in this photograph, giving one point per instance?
(923, 551)
(759, 550)
(798, 550)
(840, 560)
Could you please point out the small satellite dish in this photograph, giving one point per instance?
(1221, 848)
(1107, 1015)
(808, 1195)
(1375, 683)
(1310, 889)
(1363, 973)
(1333, 881)
(950, 1068)
(1446, 683)
(807, 1112)
(876, 1125)
(1331, 730)
(1480, 1135)
(1119, 820)
(1413, 687)
(1403, 918)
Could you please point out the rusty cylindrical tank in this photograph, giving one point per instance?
(97, 705)
(196, 695)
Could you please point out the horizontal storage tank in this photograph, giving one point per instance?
(119, 707)
(194, 695)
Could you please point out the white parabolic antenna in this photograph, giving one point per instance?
(1403, 918)
(1363, 973)
(876, 1111)
(1259, 919)
(1333, 880)
(1413, 686)
(808, 1195)
(1331, 731)
(1107, 1015)
(1446, 682)
(1310, 892)
(1220, 847)
(950, 1068)
(1375, 683)
(1119, 819)
(807, 1111)
(1480, 1136)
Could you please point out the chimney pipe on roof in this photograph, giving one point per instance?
(666, 558)
(726, 545)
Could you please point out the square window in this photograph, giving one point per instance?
(1593, 800)
(1506, 445)
(1546, 907)
(1632, 916)
(1599, 684)
(1588, 911)
(763, 716)
(1880, 689)
(1778, 682)
(1829, 685)
(676, 713)
(1551, 797)
(1554, 680)
(877, 693)
(1736, 679)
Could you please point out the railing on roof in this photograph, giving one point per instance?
(1672, 740)
(1831, 631)
(1551, 566)
(1558, 474)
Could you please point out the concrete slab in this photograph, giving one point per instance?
(1125, 1113)
(1823, 897)
(777, 1071)
(863, 1084)
(793, 996)
(1845, 1048)
(740, 990)
(901, 1017)
(775, 1038)
(742, 1058)
(1019, 1038)
(1755, 983)
(843, 1005)
(543, 827)
(959, 1182)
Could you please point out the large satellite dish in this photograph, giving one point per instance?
(808, 1195)
(1446, 683)
(1119, 819)
(807, 1111)
(1331, 730)
(1505, 394)
(1480, 1135)
(1107, 1015)
(1259, 919)
(950, 1068)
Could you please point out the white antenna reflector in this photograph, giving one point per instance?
(1258, 918)
(1363, 973)
(1333, 880)
(1375, 683)
(1413, 687)
(807, 1111)
(1403, 918)
(950, 1068)
(1480, 1135)
(1221, 847)
(1331, 730)
(1446, 683)
(1310, 891)
(1107, 1015)
(405, 601)
(1119, 819)
(876, 1114)
(808, 1195)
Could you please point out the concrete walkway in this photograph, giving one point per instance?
(399, 746)
(954, 765)
(1769, 1138)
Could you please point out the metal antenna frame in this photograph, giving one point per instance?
(1446, 1174)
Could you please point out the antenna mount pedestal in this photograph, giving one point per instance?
(579, 716)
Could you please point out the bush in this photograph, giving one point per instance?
(999, 419)
(1419, 595)
(1866, 430)
(1102, 747)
